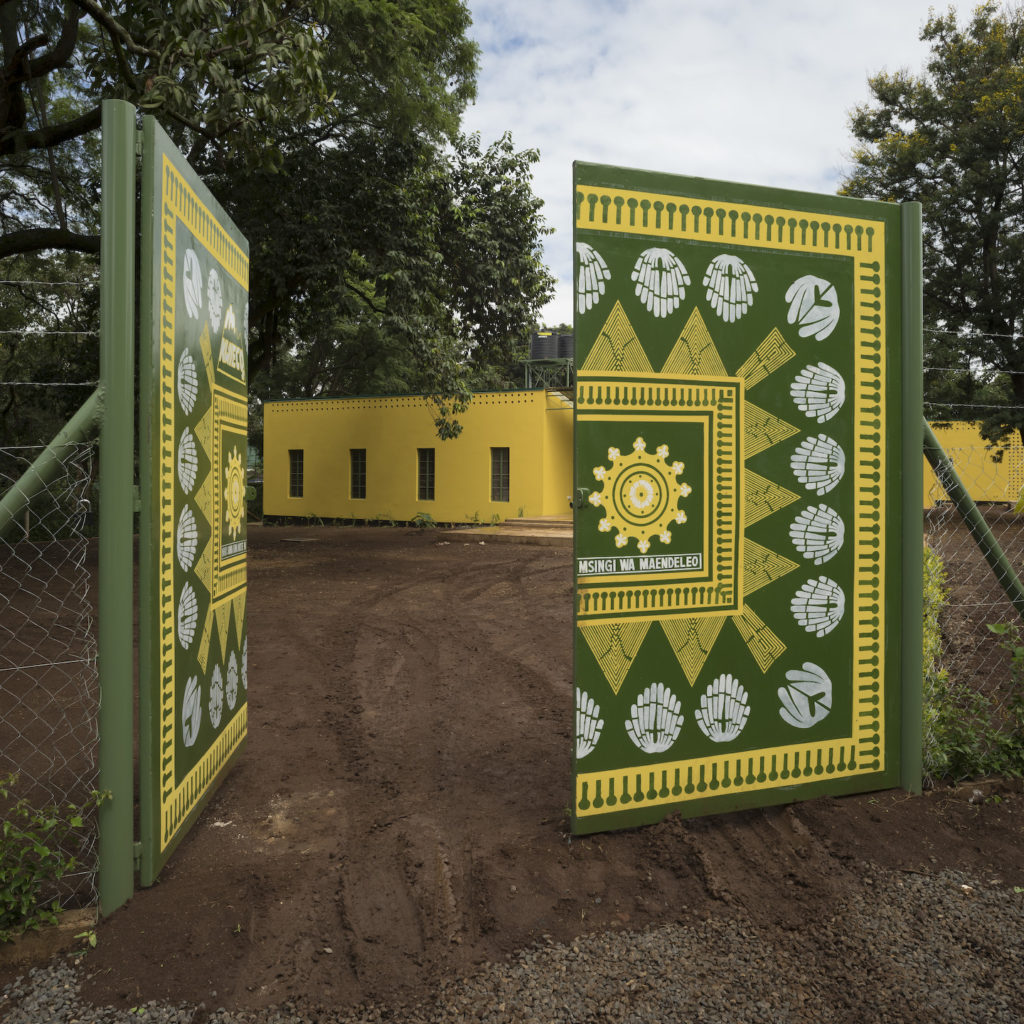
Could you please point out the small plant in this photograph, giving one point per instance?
(424, 520)
(33, 857)
(495, 519)
(519, 514)
(473, 518)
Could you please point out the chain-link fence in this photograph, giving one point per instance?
(49, 694)
(992, 475)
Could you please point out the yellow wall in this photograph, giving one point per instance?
(971, 455)
(535, 426)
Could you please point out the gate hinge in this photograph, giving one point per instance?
(138, 143)
(137, 856)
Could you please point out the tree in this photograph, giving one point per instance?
(389, 253)
(952, 138)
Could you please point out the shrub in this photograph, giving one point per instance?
(34, 857)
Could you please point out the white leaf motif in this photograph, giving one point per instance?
(813, 307)
(660, 281)
(807, 697)
(818, 463)
(819, 605)
(187, 538)
(188, 460)
(655, 719)
(590, 279)
(191, 711)
(589, 723)
(215, 299)
(231, 690)
(216, 696)
(730, 287)
(188, 382)
(724, 709)
(818, 533)
(188, 615)
(818, 391)
(192, 283)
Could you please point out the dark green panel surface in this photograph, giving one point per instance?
(739, 601)
(193, 642)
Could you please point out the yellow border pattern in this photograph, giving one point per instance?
(863, 241)
(180, 203)
(719, 405)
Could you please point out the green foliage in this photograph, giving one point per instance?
(424, 521)
(965, 733)
(33, 857)
(952, 138)
(390, 254)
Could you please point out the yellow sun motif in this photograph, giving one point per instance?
(234, 493)
(640, 495)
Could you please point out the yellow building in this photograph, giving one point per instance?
(989, 472)
(380, 458)
(369, 458)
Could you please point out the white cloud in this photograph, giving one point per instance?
(754, 90)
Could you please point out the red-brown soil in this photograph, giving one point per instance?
(401, 811)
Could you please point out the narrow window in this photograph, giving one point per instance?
(499, 474)
(425, 474)
(357, 457)
(295, 472)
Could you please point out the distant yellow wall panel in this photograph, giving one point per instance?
(989, 472)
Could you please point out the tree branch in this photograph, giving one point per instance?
(54, 135)
(62, 49)
(37, 239)
(114, 28)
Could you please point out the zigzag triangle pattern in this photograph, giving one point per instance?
(694, 353)
(761, 641)
(617, 347)
(762, 566)
(763, 497)
(771, 354)
(615, 645)
(692, 641)
(762, 430)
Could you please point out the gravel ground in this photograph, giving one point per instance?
(904, 947)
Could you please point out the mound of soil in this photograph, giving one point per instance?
(401, 811)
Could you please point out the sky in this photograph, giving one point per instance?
(755, 91)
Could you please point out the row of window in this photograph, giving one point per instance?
(424, 473)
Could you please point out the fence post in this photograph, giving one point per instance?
(912, 555)
(117, 458)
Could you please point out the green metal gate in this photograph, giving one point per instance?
(747, 435)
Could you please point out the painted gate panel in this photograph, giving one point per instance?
(194, 423)
(738, 453)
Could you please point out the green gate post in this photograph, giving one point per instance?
(117, 456)
(913, 484)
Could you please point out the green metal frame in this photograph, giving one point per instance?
(117, 460)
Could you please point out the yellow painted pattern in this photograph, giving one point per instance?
(668, 216)
(863, 240)
(181, 204)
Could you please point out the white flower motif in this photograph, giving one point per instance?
(813, 307)
(730, 287)
(655, 720)
(724, 709)
(591, 277)
(215, 299)
(819, 605)
(818, 391)
(660, 281)
(589, 723)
